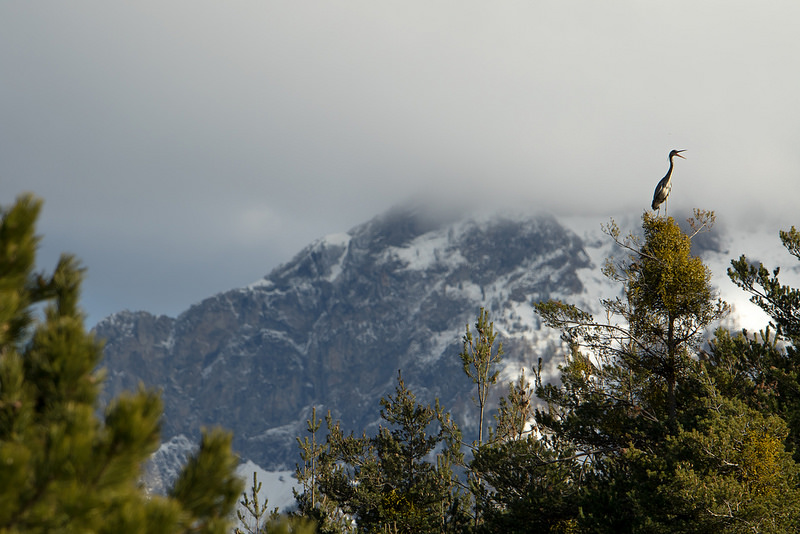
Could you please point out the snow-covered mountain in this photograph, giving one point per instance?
(332, 327)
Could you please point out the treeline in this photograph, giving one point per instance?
(657, 424)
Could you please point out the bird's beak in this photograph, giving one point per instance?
(678, 153)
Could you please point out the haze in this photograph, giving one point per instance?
(185, 148)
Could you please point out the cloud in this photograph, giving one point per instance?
(172, 140)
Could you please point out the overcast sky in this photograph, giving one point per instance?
(188, 147)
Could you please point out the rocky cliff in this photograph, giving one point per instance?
(332, 327)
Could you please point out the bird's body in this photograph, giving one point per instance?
(662, 190)
(665, 185)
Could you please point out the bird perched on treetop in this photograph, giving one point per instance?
(665, 185)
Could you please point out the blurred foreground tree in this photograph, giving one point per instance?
(62, 469)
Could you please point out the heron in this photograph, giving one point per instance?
(665, 185)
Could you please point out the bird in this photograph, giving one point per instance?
(665, 185)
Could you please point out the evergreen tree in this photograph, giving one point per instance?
(515, 411)
(781, 302)
(254, 515)
(318, 463)
(401, 480)
(622, 377)
(773, 369)
(669, 452)
(61, 469)
(480, 360)
(530, 487)
(529, 480)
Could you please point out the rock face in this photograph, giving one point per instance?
(166, 463)
(332, 327)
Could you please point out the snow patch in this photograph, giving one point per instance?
(276, 486)
(262, 283)
(169, 343)
(338, 241)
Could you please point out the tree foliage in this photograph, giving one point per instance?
(781, 302)
(62, 469)
(256, 518)
(530, 486)
(402, 479)
(480, 360)
(622, 378)
(772, 364)
(670, 452)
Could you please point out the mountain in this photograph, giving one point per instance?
(332, 327)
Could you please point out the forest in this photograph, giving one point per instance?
(660, 422)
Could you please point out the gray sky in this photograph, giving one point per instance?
(188, 147)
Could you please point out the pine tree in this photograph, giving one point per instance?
(515, 411)
(781, 302)
(528, 480)
(621, 383)
(402, 479)
(480, 360)
(775, 370)
(61, 468)
(530, 486)
(669, 451)
(312, 503)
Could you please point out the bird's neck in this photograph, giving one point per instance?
(669, 172)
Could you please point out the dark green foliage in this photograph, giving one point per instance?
(401, 480)
(531, 486)
(61, 468)
(763, 372)
(728, 473)
(732, 472)
(770, 370)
